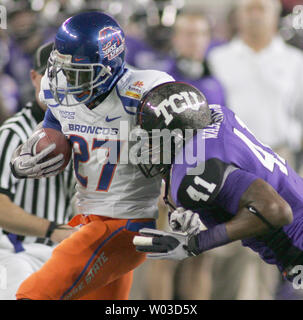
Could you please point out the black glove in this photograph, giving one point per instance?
(166, 245)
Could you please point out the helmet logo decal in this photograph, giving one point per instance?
(184, 103)
(139, 84)
(112, 42)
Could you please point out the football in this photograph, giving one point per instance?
(49, 136)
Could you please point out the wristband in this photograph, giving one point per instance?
(209, 239)
(51, 228)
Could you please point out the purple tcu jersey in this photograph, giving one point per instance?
(232, 160)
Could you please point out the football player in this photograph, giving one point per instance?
(237, 189)
(89, 93)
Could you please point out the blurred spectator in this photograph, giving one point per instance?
(9, 90)
(190, 41)
(25, 36)
(147, 39)
(263, 76)
(140, 54)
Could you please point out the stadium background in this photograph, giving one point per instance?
(229, 273)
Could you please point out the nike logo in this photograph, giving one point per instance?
(79, 59)
(107, 119)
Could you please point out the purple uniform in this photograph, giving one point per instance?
(233, 159)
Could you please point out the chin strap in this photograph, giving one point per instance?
(167, 185)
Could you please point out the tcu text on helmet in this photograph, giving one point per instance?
(179, 102)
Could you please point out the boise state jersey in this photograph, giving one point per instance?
(108, 184)
(231, 160)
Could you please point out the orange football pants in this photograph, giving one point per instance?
(94, 263)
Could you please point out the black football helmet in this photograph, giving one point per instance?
(173, 107)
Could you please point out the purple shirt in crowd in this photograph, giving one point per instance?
(207, 84)
(142, 56)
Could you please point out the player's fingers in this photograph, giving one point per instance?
(46, 151)
(29, 173)
(52, 167)
(175, 225)
(142, 241)
(153, 248)
(30, 160)
(196, 225)
(158, 256)
(176, 220)
(27, 146)
(143, 248)
(151, 232)
(193, 223)
(149, 244)
(40, 170)
(51, 174)
(185, 224)
(177, 214)
(189, 221)
(57, 161)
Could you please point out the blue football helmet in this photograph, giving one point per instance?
(87, 59)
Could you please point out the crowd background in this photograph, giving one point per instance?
(244, 54)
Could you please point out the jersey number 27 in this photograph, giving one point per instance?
(107, 168)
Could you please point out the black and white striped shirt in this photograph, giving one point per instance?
(47, 198)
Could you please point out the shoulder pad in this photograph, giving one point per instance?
(200, 190)
(136, 82)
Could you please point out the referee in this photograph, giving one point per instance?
(33, 212)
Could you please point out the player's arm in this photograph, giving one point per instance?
(261, 209)
(16, 220)
(13, 218)
(254, 206)
(25, 164)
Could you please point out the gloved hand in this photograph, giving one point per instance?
(186, 221)
(25, 164)
(165, 245)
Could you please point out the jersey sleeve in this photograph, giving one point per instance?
(236, 183)
(162, 77)
(218, 184)
(50, 121)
